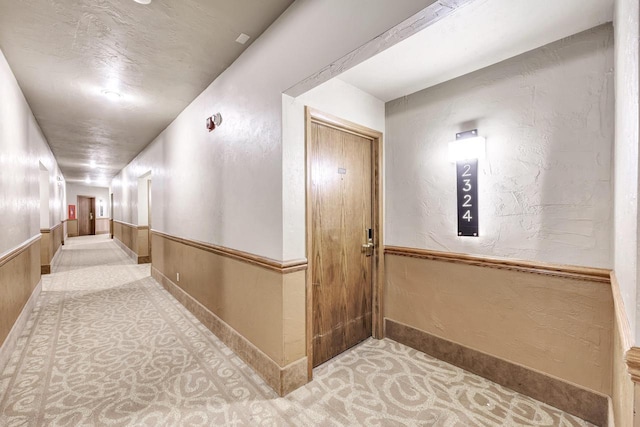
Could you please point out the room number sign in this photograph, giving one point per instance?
(467, 171)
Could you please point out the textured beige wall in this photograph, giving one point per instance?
(226, 187)
(545, 186)
(23, 147)
(562, 327)
(264, 306)
(18, 278)
(626, 154)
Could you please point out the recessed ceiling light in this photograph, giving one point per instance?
(88, 180)
(112, 95)
(242, 38)
(143, 1)
(92, 164)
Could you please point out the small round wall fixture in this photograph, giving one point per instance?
(112, 95)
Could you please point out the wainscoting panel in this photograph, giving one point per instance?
(586, 404)
(255, 305)
(622, 392)
(19, 276)
(72, 227)
(142, 242)
(133, 239)
(52, 239)
(554, 320)
(102, 225)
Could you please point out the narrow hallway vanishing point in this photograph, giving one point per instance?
(107, 345)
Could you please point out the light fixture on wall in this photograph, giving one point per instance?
(214, 121)
(468, 145)
(465, 152)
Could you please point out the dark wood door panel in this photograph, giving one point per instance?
(342, 211)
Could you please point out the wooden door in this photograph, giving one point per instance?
(341, 277)
(86, 216)
(92, 216)
(84, 224)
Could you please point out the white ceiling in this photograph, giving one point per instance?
(473, 37)
(66, 53)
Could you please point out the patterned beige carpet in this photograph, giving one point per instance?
(106, 345)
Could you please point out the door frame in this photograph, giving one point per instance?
(377, 266)
(149, 218)
(92, 207)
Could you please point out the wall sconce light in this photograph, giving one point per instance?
(468, 145)
(214, 121)
(465, 152)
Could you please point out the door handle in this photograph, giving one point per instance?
(90, 216)
(367, 248)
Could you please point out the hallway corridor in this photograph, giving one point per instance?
(107, 345)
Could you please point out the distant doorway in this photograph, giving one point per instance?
(144, 217)
(111, 215)
(149, 214)
(86, 216)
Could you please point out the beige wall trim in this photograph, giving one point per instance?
(565, 271)
(282, 379)
(8, 256)
(48, 268)
(9, 344)
(621, 313)
(583, 403)
(626, 366)
(52, 229)
(632, 357)
(132, 254)
(268, 263)
(126, 224)
(56, 256)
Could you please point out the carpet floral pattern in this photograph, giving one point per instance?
(106, 345)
